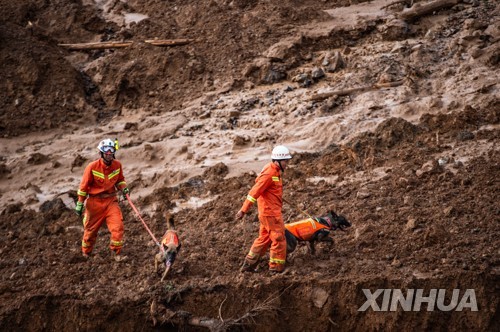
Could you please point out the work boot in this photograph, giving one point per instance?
(247, 267)
(274, 270)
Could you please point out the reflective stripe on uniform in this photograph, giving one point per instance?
(84, 220)
(313, 223)
(252, 254)
(251, 199)
(276, 179)
(98, 174)
(81, 193)
(85, 244)
(117, 243)
(113, 174)
(277, 261)
(120, 183)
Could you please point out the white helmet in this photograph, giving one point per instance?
(106, 145)
(281, 152)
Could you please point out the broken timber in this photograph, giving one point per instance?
(345, 92)
(96, 46)
(169, 42)
(420, 9)
(108, 45)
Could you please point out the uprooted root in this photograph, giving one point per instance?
(183, 318)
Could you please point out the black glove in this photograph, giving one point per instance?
(125, 192)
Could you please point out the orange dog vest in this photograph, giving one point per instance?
(305, 229)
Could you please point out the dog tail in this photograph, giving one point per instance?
(170, 221)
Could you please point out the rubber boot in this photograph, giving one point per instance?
(248, 267)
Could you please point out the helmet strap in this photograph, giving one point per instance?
(281, 167)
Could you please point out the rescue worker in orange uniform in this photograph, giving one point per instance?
(268, 193)
(98, 188)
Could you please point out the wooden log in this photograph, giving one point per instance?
(209, 323)
(345, 92)
(168, 42)
(107, 45)
(95, 46)
(420, 9)
(397, 2)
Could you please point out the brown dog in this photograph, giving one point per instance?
(170, 246)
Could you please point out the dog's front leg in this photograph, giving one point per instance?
(291, 242)
(323, 236)
(157, 260)
(310, 246)
(326, 239)
(167, 268)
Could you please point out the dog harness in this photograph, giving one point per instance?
(304, 230)
(170, 237)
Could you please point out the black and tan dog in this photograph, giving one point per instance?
(313, 230)
(170, 246)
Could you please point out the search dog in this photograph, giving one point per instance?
(314, 229)
(170, 246)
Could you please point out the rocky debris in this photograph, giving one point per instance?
(37, 159)
(319, 297)
(4, 169)
(78, 161)
(333, 61)
(394, 29)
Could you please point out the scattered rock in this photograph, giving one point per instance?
(394, 29)
(241, 140)
(449, 211)
(37, 159)
(4, 169)
(335, 62)
(442, 161)
(426, 168)
(411, 224)
(465, 136)
(363, 193)
(317, 73)
(131, 126)
(78, 161)
(219, 170)
(319, 297)
(12, 208)
(396, 263)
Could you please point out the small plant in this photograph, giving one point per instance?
(169, 287)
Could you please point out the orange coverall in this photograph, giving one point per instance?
(99, 184)
(267, 192)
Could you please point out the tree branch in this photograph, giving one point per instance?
(420, 9)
